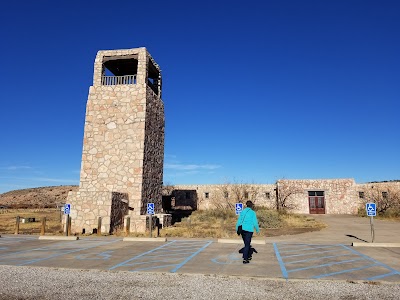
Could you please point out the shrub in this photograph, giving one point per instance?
(269, 218)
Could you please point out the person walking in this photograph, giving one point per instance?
(248, 220)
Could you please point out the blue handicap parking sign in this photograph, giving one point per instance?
(238, 208)
(67, 209)
(150, 208)
(371, 209)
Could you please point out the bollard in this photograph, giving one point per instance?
(99, 226)
(158, 225)
(43, 229)
(127, 226)
(17, 225)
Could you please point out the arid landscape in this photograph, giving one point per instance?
(41, 197)
(47, 202)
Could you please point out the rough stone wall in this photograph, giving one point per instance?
(216, 194)
(123, 146)
(153, 153)
(86, 207)
(340, 195)
(374, 192)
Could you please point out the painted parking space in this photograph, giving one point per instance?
(169, 257)
(274, 260)
(10, 242)
(101, 253)
(45, 251)
(312, 261)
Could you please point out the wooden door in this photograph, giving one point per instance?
(316, 202)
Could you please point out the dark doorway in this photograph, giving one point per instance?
(316, 202)
(119, 209)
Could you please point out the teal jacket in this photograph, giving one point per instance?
(248, 220)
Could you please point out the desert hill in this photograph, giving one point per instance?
(41, 197)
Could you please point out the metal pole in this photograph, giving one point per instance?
(69, 225)
(150, 223)
(66, 224)
(372, 229)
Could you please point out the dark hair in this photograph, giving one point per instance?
(249, 204)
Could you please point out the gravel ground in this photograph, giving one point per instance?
(49, 283)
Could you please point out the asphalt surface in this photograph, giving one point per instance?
(325, 257)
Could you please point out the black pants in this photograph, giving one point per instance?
(246, 236)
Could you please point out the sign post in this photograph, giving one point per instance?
(238, 208)
(67, 210)
(150, 212)
(371, 212)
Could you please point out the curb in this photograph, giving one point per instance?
(143, 239)
(56, 237)
(237, 241)
(383, 245)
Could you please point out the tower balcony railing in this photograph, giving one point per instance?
(118, 80)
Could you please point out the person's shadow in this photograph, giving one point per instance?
(353, 236)
(252, 250)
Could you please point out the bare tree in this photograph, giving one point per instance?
(231, 193)
(167, 189)
(386, 196)
(286, 192)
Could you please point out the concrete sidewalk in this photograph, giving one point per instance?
(346, 229)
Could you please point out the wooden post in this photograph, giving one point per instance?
(17, 225)
(128, 226)
(99, 226)
(43, 229)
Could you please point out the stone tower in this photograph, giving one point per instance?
(123, 145)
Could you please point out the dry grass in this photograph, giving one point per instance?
(8, 221)
(392, 214)
(201, 224)
(221, 224)
(301, 221)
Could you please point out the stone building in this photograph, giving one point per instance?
(123, 145)
(306, 196)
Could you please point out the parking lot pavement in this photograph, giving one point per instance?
(308, 261)
(202, 256)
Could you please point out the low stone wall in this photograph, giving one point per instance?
(339, 194)
(86, 208)
(219, 195)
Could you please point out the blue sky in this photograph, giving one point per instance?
(254, 91)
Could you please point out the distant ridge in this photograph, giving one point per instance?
(41, 197)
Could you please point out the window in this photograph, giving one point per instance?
(384, 195)
(361, 195)
(119, 70)
(316, 193)
(268, 195)
(207, 195)
(153, 77)
(226, 194)
(246, 195)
